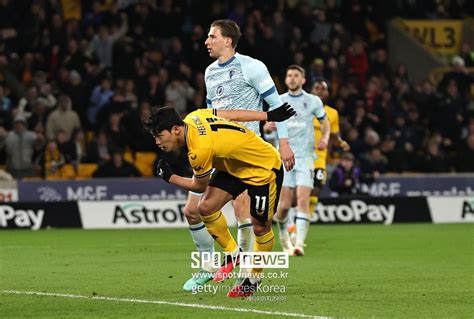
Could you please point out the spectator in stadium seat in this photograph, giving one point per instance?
(117, 167)
(100, 96)
(467, 54)
(142, 141)
(346, 178)
(374, 162)
(75, 150)
(102, 44)
(20, 144)
(357, 61)
(451, 112)
(435, 159)
(5, 108)
(63, 118)
(99, 150)
(116, 132)
(51, 159)
(465, 157)
(459, 75)
(77, 90)
(178, 94)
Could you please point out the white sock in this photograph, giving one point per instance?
(283, 227)
(245, 234)
(302, 226)
(203, 241)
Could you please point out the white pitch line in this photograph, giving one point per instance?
(162, 302)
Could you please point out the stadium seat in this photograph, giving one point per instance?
(128, 156)
(86, 170)
(144, 162)
(90, 135)
(67, 171)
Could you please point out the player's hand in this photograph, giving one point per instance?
(322, 145)
(345, 146)
(281, 113)
(287, 155)
(269, 127)
(163, 170)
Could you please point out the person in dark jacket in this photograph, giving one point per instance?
(117, 167)
(346, 178)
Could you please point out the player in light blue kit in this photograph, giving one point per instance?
(301, 137)
(234, 81)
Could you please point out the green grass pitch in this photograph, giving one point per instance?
(355, 271)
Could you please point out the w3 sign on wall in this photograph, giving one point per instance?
(441, 36)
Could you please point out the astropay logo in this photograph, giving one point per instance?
(355, 211)
(27, 218)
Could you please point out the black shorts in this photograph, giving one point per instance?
(320, 176)
(263, 199)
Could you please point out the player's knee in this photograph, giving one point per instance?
(241, 208)
(204, 208)
(261, 229)
(192, 215)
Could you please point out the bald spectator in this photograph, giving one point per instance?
(63, 118)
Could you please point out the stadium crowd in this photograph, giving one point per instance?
(101, 71)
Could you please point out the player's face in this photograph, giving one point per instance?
(216, 43)
(320, 89)
(167, 140)
(294, 80)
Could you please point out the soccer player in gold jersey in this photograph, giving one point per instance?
(320, 89)
(243, 162)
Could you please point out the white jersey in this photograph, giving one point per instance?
(241, 83)
(300, 127)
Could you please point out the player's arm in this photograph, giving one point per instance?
(279, 114)
(325, 131)
(259, 77)
(337, 140)
(324, 124)
(286, 153)
(335, 137)
(196, 184)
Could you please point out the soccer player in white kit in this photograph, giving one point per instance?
(301, 137)
(234, 81)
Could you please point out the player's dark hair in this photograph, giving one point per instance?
(229, 29)
(321, 81)
(297, 68)
(162, 118)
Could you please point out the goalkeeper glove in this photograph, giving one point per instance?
(163, 170)
(281, 113)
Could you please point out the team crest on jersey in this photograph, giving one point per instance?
(231, 74)
(220, 90)
(305, 105)
(196, 120)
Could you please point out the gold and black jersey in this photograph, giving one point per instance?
(214, 142)
(333, 118)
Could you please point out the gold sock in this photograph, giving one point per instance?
(263, 243)
(313, 201)
(217, 226)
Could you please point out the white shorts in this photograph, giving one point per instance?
(301, 175)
